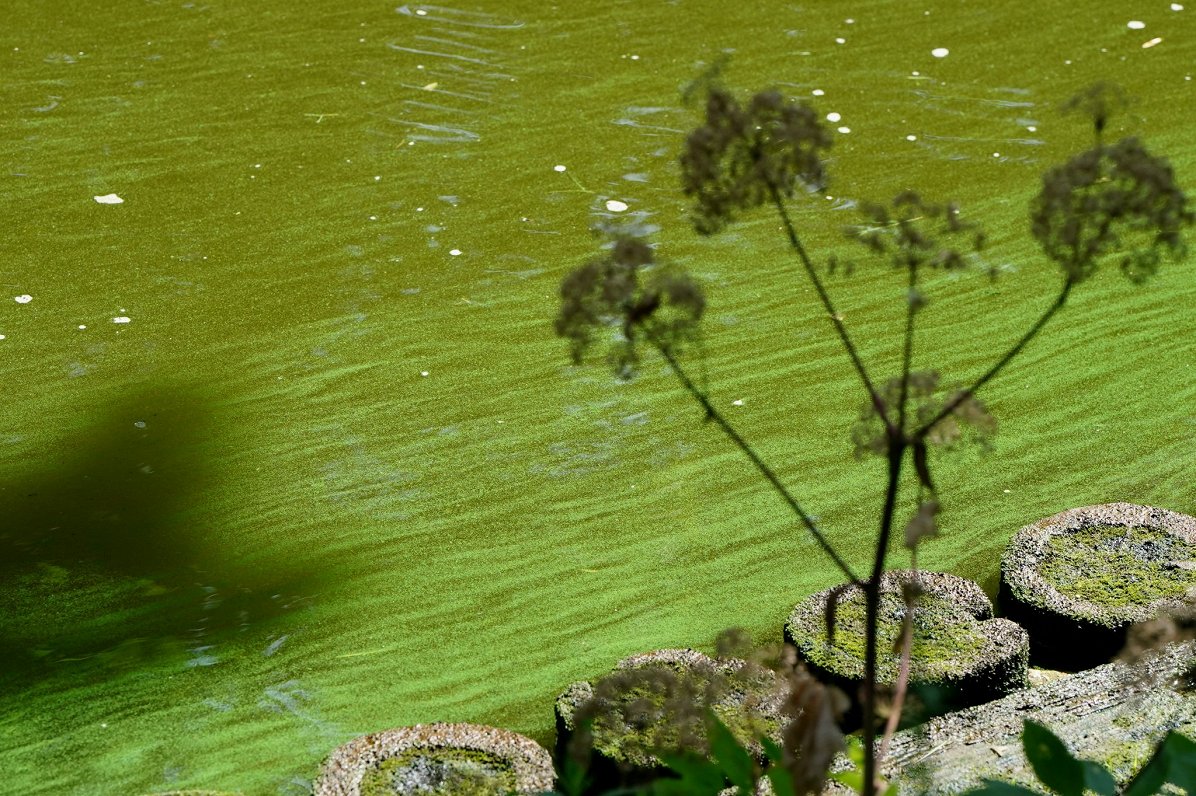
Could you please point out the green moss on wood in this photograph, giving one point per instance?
(1115, 565)
(944, 646)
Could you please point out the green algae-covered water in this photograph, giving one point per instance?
(290, 454)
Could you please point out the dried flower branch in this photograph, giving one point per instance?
(739, 156)
(625, 293)
(1099, 101)
(913, 233)
(968, 414)
(1117, 198)
(812, 737)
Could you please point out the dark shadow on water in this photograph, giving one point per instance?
(104, 555)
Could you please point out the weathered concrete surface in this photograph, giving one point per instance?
(1076, 588)
(1114, 714)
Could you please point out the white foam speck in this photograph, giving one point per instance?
(615, 206)
(377, 177)
(1135, 24)
(139, 423)
(817, 92)
(420, 12)
(940, 52)
(2, 337)
(844, 129)
(996, 154)
(849, 21)
(373, 218)
(122, 319)
(109, 199)
(911, 138)
(23, 299)
(737, 402)
(1032, 129)
(82, 326)
(635, 57)
(833, 117)
(424, 373)
(455, 252)
(915, 73)
(840, 40)
(1177, 6)
(558, 167)
(419, 210)
(1146, 45)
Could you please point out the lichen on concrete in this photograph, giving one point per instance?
(456, 759)
(1078, 579)
(956, 642)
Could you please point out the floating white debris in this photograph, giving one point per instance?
(737, 402)
(840, 40)
(122, 319)
(558, 167)
(911, 138)
(996, 154)
(817, 92)
(455, 252)
(424, 373)
(24, 298)
(82, 326)
(833, 117)
(1032, 128)
(1, 337)
(109, 199)
(615, 206)
(1146, 45)
(1177, 6)
(940, 52)
(845, 129)
(139, 423)
(1135, 24)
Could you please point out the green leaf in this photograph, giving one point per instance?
(1097, 778)
(778, 775)
(699, 777)
(736, 762)
(574, 777)
(1053, 764)
(1173, 761)
(992, 787)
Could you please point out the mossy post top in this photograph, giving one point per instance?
(1110, 564)
(954, 632)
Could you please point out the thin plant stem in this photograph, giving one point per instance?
(896, 455)
(953, 404)
(721, 421)
(902, 687)
(829, 306)
(907, 347)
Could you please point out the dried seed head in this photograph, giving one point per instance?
(740, 156)
(629, 297)
(1111, 199)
